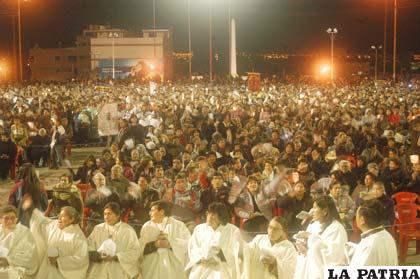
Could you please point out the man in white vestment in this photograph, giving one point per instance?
(164, 244)
(17, 247)
(214, 246)
(114, 249)
(270, 255)
(61, 244)
(323, 242)
(377, 247)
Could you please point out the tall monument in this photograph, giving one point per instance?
(233, 70)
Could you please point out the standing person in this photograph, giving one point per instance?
(21, 259)
(19, 135)
(322, 244)
(270, 255)
(58, 139)
(136, 131)
(121, 262)
(28, 184)
(8, 151)
(214, 247)
(61, 244)
(164, 244)
(372, 251)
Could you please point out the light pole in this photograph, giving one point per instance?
(394, 60)
(210, 42)
(332, 32)
(113, 35)
(385, 37)
(154, 28)
(376, 48)
(189, 39)
(20, 40)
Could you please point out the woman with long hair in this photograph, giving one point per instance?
(322, 244)
(28, 183)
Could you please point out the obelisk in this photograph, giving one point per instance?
(233, 70)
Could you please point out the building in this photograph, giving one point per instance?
(103, 52)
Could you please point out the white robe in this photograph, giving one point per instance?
(324, 249)
(164, 263)
(128, 251)
(227, 238)
(377, 249)
(22, 253)
(71, 243)
(284, 252)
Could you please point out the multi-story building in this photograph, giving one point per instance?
(102, 52)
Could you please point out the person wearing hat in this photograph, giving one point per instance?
(8, 153)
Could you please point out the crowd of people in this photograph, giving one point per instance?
(199, 179)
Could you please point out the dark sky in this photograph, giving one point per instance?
(294, 26)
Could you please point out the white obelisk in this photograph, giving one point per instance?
(233, 70)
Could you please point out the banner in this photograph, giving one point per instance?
(254, 81)
(108, 120)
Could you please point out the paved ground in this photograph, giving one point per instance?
(50, 177)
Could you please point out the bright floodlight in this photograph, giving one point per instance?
(332, 30)
(325, 69)
(152, 66)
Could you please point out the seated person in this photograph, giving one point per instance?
(216, 193)
(345, 205)
(117, 181)
(159, 182)
(139, 200)
(297, 200)
(185, 203)
(84, 172)
(253, 207)
(21, 261)
(65, 193)
(389, 212)
(97, 197)
(364, 191)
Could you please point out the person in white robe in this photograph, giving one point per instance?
(215, 246)
(164, 244)
(61, 244)
(270, 255)
(377, 247)
(323, 242)
(17, 247)
(114, 249)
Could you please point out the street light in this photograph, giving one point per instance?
(394, 59)
(376, 48)
(211, 41)
(113, 35)
(189, 39)
(332, 32)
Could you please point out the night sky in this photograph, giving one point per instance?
(293, 26)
